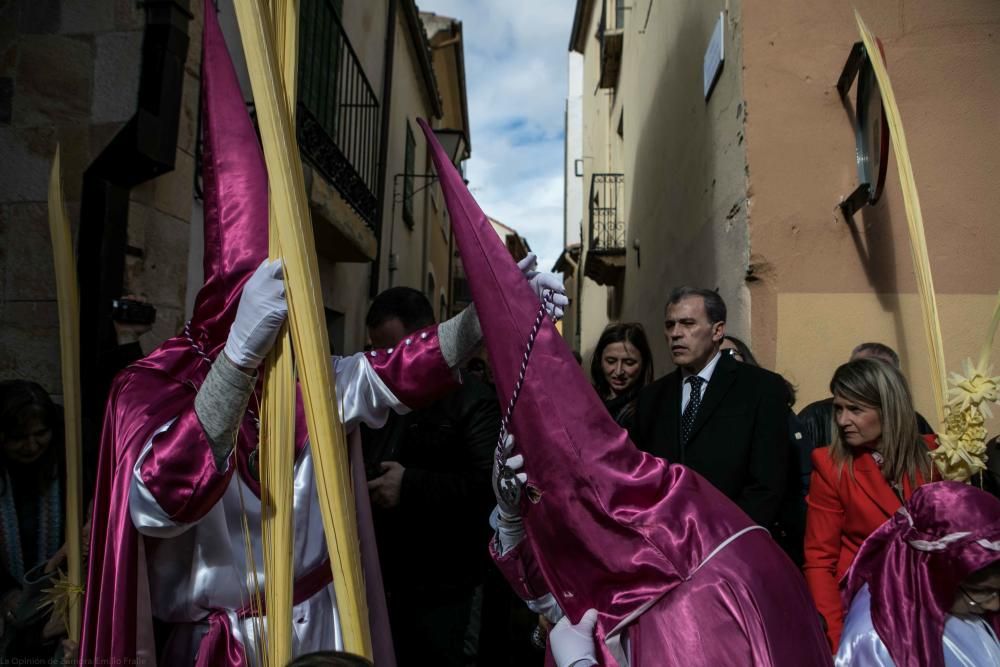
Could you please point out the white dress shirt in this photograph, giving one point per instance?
(705, 374)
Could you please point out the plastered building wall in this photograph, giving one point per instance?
(823, 284)
(684, 162)
(596, 109)
(409, 102)
(574, 210)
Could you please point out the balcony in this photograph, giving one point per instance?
(338, 117)
(605, 262)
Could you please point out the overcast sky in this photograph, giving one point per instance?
(515, 68)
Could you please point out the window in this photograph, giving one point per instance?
(411, 148)
(321, 41)
(619, 14)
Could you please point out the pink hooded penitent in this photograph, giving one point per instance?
(117, 624)
(652, 546)
(914, 563)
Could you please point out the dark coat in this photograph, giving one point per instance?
(739, 440)
(435, 539)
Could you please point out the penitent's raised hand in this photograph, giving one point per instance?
(548, 287)
(508, 481)
(261, 313)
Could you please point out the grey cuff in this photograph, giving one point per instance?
(460, 336)
(220, 405)
(509, 530)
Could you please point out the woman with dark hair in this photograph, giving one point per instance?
(622, 365)
(924, 589)
(32, 491)
(738, 350)
(876, 461)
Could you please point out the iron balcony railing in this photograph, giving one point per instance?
(339, 115)
(607, 217)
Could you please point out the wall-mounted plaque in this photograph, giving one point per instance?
(871, 131)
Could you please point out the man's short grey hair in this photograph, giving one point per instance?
(877, 350)
(715, 307)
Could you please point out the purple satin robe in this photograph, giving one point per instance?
(651, 546)
(179, 473)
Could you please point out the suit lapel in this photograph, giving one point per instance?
(722, 379)
(871, 481)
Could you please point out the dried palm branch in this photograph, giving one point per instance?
(68, 298)
(309, 335)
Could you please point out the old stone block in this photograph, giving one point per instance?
(8, 29)
(195, 28)
(188, 127)
(27, 157)
(169, 322)
(138, 215)
(54, 76)
(86, 16)
(29, 343)
(4, 226)
(8, 60)
(144, 193)
(28, 266)
(75, 155)
(163, 275)
(6, 98)
(116, 76)
(35, 17)
(173, 190)
(129, 15)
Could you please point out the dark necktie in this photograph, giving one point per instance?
(691, 411)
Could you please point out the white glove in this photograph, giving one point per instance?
(260, 315)
(508, 482)
(573, 645)
(545, 284)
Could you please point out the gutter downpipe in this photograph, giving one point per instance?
(143, 149)
(387, 69)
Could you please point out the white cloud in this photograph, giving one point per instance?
(515, 67)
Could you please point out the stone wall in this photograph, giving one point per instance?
(69, 75)
(161, 213)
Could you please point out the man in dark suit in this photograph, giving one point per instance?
(726, 420)
(429, 473)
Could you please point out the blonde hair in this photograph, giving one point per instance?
(875, 383)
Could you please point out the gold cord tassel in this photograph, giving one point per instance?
(308, 328)
(68, 298)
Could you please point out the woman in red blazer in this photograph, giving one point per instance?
(875, 462)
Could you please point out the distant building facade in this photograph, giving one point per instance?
(739, 192)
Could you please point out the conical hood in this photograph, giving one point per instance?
(612, 527)
(235, 189)
(235, 214)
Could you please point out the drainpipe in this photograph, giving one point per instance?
(383, 149)
(143, 149)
